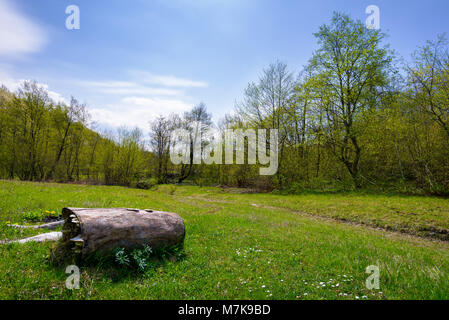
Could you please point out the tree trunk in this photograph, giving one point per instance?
(94, 230)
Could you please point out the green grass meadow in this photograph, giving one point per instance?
(242, 246)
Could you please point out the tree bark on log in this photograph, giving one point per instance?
(50, 236)
(50, 225)
(100, 230)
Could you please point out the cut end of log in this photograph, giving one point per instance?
(71, 233)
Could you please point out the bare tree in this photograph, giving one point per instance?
(195, 122)
(268, 103)
(160, 132)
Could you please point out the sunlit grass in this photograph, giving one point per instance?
(239, 246)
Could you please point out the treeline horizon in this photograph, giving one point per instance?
(355, 117)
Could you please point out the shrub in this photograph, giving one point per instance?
(146, 184)
(138, 258)
(171, 189)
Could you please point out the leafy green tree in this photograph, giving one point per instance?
(429, 79)
(352, 67)
(32, 105)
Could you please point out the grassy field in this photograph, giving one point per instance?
(243, 246)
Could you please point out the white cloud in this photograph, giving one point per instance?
(14, 84)
(137, 111)
(18, 34)
(168, 80)
(7, 80)
(144, 97)
(127, 88)
(55, 96)
(138, 103)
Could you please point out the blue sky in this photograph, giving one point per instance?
(132, 60)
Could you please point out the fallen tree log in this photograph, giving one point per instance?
(50, 225)
(50, 236)
(87, 231)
